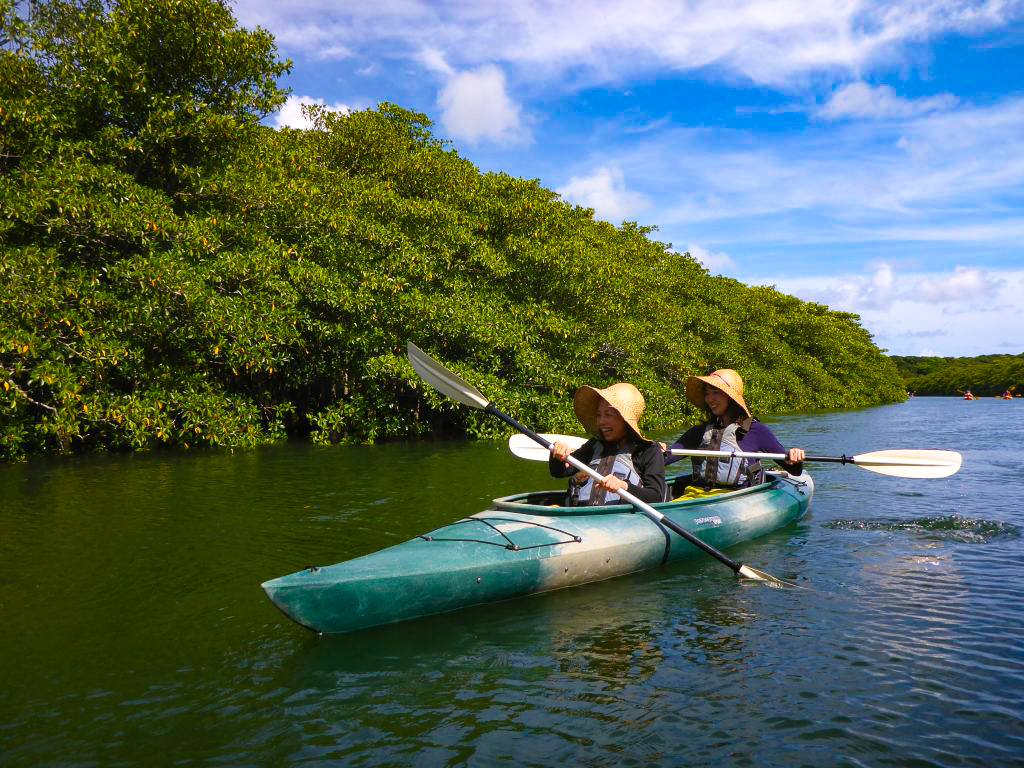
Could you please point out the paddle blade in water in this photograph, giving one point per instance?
(773, 581)
(443, 380)
(526, 448)
(910, 463)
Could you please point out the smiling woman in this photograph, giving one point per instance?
(729, 427)
(618, 451)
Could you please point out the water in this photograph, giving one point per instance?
(135, 632)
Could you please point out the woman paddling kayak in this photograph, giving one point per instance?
(617, 450)
(729, 427)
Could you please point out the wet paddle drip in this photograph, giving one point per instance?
(948, 528)
(572, 539)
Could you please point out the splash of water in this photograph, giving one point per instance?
(944, 528)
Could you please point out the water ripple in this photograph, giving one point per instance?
(944, 528)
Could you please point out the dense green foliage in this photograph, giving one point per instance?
(983, 375)
(175, 274)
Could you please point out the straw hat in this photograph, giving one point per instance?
(725, 379)
(623, 397)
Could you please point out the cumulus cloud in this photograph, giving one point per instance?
(860, 100)
(883, 287)
(475, 106)
(965, 284)
(872, 292)
(292, 115)
(965, 312)
(605, 191)
(848, 293)
(716, 262)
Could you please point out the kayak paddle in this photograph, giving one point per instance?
(895, 463)
(525, 448)
(450, 385)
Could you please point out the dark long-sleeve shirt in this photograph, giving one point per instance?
(759, 439)
(648, 461)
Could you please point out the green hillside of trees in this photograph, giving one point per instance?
(984, 375)
(176, 274)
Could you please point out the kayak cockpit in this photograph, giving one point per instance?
(550, 503)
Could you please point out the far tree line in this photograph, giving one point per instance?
(985, 375)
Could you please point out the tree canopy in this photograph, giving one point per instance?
(177, 274)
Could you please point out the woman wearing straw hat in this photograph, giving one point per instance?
(729, 427)
(617, 450)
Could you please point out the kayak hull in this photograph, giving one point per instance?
(520, 546)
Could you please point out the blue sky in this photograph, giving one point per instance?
(868, 156)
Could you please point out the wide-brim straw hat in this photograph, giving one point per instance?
(725, 379)
(623, 397)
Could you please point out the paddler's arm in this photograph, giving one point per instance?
(760, 439)
(689, 439)
(561, 469)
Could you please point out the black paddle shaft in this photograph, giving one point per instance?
(493, 410)
(667, 522)
(844, 459)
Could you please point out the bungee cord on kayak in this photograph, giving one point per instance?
(510, 544)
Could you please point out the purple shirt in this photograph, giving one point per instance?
(758, 440)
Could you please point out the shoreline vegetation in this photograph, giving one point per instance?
(177, 274)
(984, 375)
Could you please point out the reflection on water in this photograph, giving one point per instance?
(135, 625)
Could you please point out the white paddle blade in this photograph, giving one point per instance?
(910, 463)
(443, 380)
(527, 448)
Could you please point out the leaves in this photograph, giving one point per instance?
(177, 275)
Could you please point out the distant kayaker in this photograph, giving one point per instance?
(729, 427)
(617, 450)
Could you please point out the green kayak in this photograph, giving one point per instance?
(526, 544)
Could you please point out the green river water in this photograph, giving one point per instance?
(135, 631)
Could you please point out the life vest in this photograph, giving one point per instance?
(719, 471)
(582, 487)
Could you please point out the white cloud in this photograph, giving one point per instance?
(883, 287)
(335, 52)
(434, 60)
(475, 106)
(770, 42)
(857, 100)
(855, 293)
(966, 283)
(965, 312)
(956, 176)
(605, 191)
(291, 114)
(716, 262)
